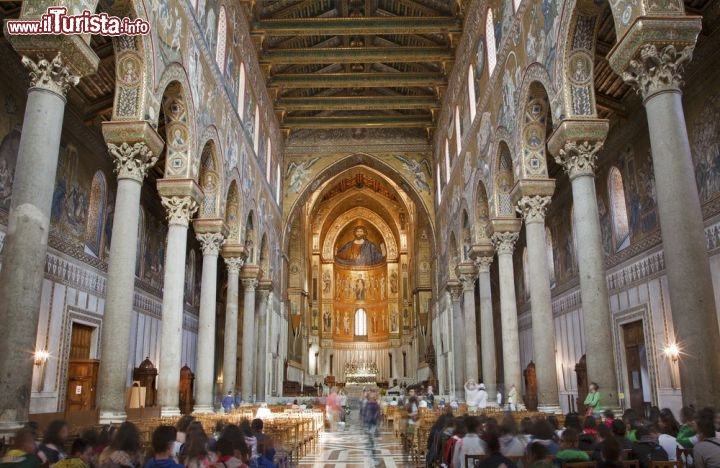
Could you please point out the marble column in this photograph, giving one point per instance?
(504, 240)
(458, 349)
(137, 152)
(487, 329)
(23, 263)
(533, 208)
(654, 66)
(179, 211)
(263, 293)
(247, 367)
(233, 263)
(575, 144)
(468, 275)
(210, 243)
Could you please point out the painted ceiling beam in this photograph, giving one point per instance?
(356, 80)
(360, 25)
(359, 121)
(356, 103)
(357, 55)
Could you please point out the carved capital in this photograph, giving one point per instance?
(468, 282)
(263, 294)
(233, 265)
(132, 161)
(655, 71)
(579, 158)
(483, 264)
(249, 284)
(179, 209)
(455, 290)
(210, 242)
(52, 75)
(533, 208)
(505, 242)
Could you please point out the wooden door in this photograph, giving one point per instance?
(82, 382)
(634, 339)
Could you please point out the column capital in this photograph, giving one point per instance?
(652, 54)
(262, 293)
(483, 263)
(51, 75)
(575, 144)
(467, 273)
(179, 209)
(134, 145)
(455, 289)
(210, 242)
(79, 57)
(249, 283)
(533, 208)
(505, 241)
(233, 264)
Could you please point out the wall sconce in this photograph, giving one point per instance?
(672, 351)
(40, 357)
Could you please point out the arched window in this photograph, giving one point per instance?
(268, 159)
(526, 273)
(471, 92)
(490, 38)
(447, 160)
(241, 93)
(618, 209)
(458, 137)
(550, 256)
(516, 5)
(96, 215)
(221, 39)
(360, 322)
(277, 183)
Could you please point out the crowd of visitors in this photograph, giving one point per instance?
(601, 438)
(184, 445)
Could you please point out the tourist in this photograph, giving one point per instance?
(226, 455)
(124, 449)
(706, 451)
(512, 398)
(610, 455)
(538, 456)
(569, 451)
(495, 459)
(430, 397)
(472, 395)
(592, 401)
(646, 449)
(181, 428)
(228, 402)
(163, 448)
(81, 454)
(51, 450)
(471, 444)
(22, 452)
(194, 453)
(686, 432)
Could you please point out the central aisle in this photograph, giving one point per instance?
(348, 447)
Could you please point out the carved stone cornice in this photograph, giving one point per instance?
(505, 242)
(79, 57)
(51, 75)
(179, 209)
(233, 264)
(651, 55)
(250, 272)
(132, 161)
(533, 208)
(483, 263)
(210, 242)
(234, 251)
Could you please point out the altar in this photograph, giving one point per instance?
(361, 373)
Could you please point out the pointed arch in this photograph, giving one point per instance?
(453, 257)
(232, 213)
(618, 209)
(482, 213)
(490, 41)
(466, 237)
(178, 118)
(264, 256)
(504, 181)
(220, 50)
(94, 228)
(210, 182)
(250, 239)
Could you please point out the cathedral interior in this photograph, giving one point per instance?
(273, 198)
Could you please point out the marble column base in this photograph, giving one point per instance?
(169, 411)
(110, 417)
(203, 409)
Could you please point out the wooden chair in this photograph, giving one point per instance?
(667, 464)
(472, 460)
(685, 455)
(585, 464)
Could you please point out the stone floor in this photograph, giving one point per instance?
(349, 447)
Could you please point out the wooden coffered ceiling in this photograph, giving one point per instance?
(356, 63)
